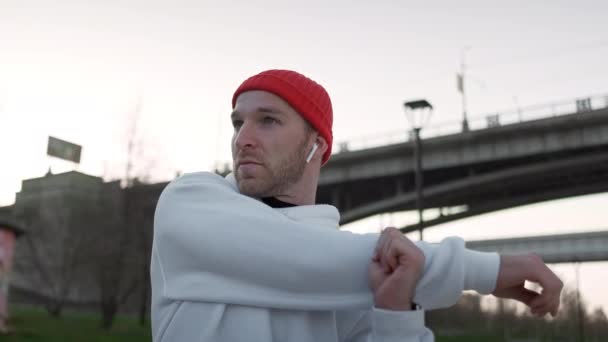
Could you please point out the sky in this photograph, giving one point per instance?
(77, 70)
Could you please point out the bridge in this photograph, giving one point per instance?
(527, 156)
(577, 247)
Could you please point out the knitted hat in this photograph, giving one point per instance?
(306, 96)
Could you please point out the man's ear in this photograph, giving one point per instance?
(317, 150)
(319, 140)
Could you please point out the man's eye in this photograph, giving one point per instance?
(237, 124)
(270, 120)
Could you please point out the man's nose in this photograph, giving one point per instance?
(246, 136)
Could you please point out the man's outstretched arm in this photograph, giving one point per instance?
(213, 244)
(394, 272)
(394, 250)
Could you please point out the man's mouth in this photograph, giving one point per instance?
(248, 162)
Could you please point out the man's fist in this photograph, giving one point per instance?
(394, 270)
(513, 273)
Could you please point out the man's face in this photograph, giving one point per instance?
(269, 144)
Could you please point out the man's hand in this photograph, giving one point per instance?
(394, 270)
(515, 270)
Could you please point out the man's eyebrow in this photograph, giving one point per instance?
(270, 110)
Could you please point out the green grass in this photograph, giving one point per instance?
(35, 325)
(468, 338)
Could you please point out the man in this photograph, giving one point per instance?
(251, 257)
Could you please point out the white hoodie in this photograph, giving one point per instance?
(227, 267)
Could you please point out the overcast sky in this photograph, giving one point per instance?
(77, 69)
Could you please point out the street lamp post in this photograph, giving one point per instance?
(418, 113)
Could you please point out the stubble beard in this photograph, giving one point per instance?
(278, 179)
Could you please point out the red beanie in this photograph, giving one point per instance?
(306, 96)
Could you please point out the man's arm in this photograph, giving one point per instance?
(213, 244)
(395, 269)
(394, 251)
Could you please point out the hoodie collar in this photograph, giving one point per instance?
(322, 214)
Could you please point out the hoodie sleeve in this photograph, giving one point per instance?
(398, 326)
(212, 244)
(377, 325)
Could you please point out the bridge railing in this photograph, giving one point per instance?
(479, 122)
(558, 248)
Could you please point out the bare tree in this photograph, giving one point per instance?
(112, 254)
(124, 268)
(511, 320)
(56, 251)
(598, 325)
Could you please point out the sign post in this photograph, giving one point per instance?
(63, 150)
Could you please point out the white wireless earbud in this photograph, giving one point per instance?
(312, 152)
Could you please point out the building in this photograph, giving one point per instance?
(88, 242)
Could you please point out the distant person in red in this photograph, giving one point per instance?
(3, 292)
